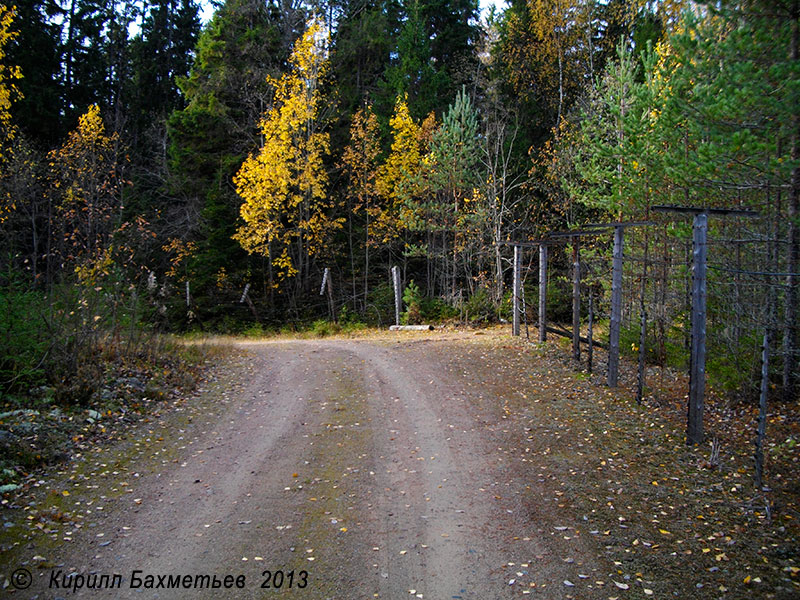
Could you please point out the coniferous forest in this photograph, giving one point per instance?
(163, 174)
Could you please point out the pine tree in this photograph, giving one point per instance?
(161, 54)
(454, 33)
(84, 57)
(413, 72)
(361, 48)
(436, 53)
(450, 170)
(613, 159)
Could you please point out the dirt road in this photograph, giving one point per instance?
(344, 468)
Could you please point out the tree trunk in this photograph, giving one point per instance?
(366, 255)
(498, 266)
(69, 59)
(352, 256)
(793, 246)
(560, 86)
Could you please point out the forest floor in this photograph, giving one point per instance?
(454, 464)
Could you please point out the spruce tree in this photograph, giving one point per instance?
(226, 93)
(37, 112)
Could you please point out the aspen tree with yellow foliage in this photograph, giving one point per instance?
(8, 93)
(84, 189)
(397, 182)
(8, 73)
(284, 186)
(360, 164)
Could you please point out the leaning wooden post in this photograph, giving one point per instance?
(246, 298)
(331, 305)
(616, 308)
(515, 293)
(398, 299)
(576, 300)
(542, 292)
(697, 370)
(324, 281)
(326, 284)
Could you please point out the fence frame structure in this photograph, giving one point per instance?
(615, 324)
(575, 236)
(542, 246)
(697, 359)
(592, 229)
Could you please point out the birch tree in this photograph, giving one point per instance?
(360, 161)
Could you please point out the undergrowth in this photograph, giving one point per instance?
(119, 383)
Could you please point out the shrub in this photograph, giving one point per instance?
(24, 339)
(436, 310)
(506, 308)
(323, 328)
(348, 316)
(479, 308)
(256, 330)
(412, 297)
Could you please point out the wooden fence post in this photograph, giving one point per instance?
(642, 341)
(324, 281)
(398, 297)
(542, 292)
(576, 300)
(697, 357)
(697, 369)
(762, 411)
(589, 333)
(331, 304)
(327, 284)
(616, 308)
(246, 298)
(515, 292)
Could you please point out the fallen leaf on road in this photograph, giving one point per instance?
(622, 586)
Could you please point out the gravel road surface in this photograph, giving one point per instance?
(329, 469)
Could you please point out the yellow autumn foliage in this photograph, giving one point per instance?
(95, 267)
(82, 162)
(284, 185)
(8, 93)
(8, 73)
(396, 178)
(84, 185)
